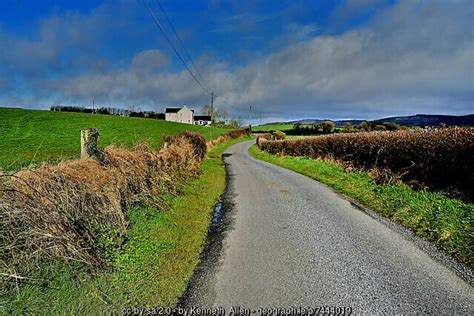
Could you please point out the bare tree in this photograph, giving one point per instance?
(220, 114)
(206, 110)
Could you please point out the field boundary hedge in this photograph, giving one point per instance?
(438, 158)
(76, 210)
(234, 134)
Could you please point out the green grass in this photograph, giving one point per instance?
(279, 127)
(446, 221)
(29, 136)
(283, 127)
(297, 136)
(162, 250)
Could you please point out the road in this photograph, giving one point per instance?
(287, 240)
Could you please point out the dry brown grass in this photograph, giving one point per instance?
(59, 211)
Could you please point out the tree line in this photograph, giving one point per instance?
(108, 111)
(328, 127)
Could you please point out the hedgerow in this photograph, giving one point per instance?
(75, 211)
(234, 134)
(439, 158)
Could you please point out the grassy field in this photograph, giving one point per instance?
(28, 136)
(153, 269)
(446, 221)
(279, 127)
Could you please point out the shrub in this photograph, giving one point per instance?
(278, 135)
(262, 138)
(197, 141)
(242, 132)
(234, 134)
(328, 127)
(440, 158)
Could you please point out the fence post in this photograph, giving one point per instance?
(89, 137)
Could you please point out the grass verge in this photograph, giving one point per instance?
(161, 252)
(447, 222)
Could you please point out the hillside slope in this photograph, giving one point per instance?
(431, 120)
(28, 136)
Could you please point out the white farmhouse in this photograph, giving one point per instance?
(204, 120)
(180, 115)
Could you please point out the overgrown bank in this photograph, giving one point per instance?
(446, 221)
(159, 253)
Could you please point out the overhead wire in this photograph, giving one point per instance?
(181, 42)
(201, 82)
(157, 22)
(222, 98)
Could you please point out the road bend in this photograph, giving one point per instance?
(288, 240)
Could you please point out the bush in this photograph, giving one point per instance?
(440, 158)
(242, 132)
(328, 127)
(197, 141)
(278, 135)
(262, 138)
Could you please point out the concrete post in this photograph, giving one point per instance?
(89, 137)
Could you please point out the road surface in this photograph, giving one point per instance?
(287, 240)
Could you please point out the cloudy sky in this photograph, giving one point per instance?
(288, 59)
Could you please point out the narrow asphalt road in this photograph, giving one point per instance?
(288, 240)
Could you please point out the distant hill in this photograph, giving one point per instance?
(413, 120)
(430, 120)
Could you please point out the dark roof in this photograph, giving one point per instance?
(202, 117)
(174, 110)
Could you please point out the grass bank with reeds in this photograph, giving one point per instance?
(443, 220)
(156, 257)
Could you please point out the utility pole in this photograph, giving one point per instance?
(93, 106)
(250, 118)
(212, 113)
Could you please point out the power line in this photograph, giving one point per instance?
(180, 41)
(157, 22)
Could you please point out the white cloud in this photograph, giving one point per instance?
(148, 63)
(413, 57)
